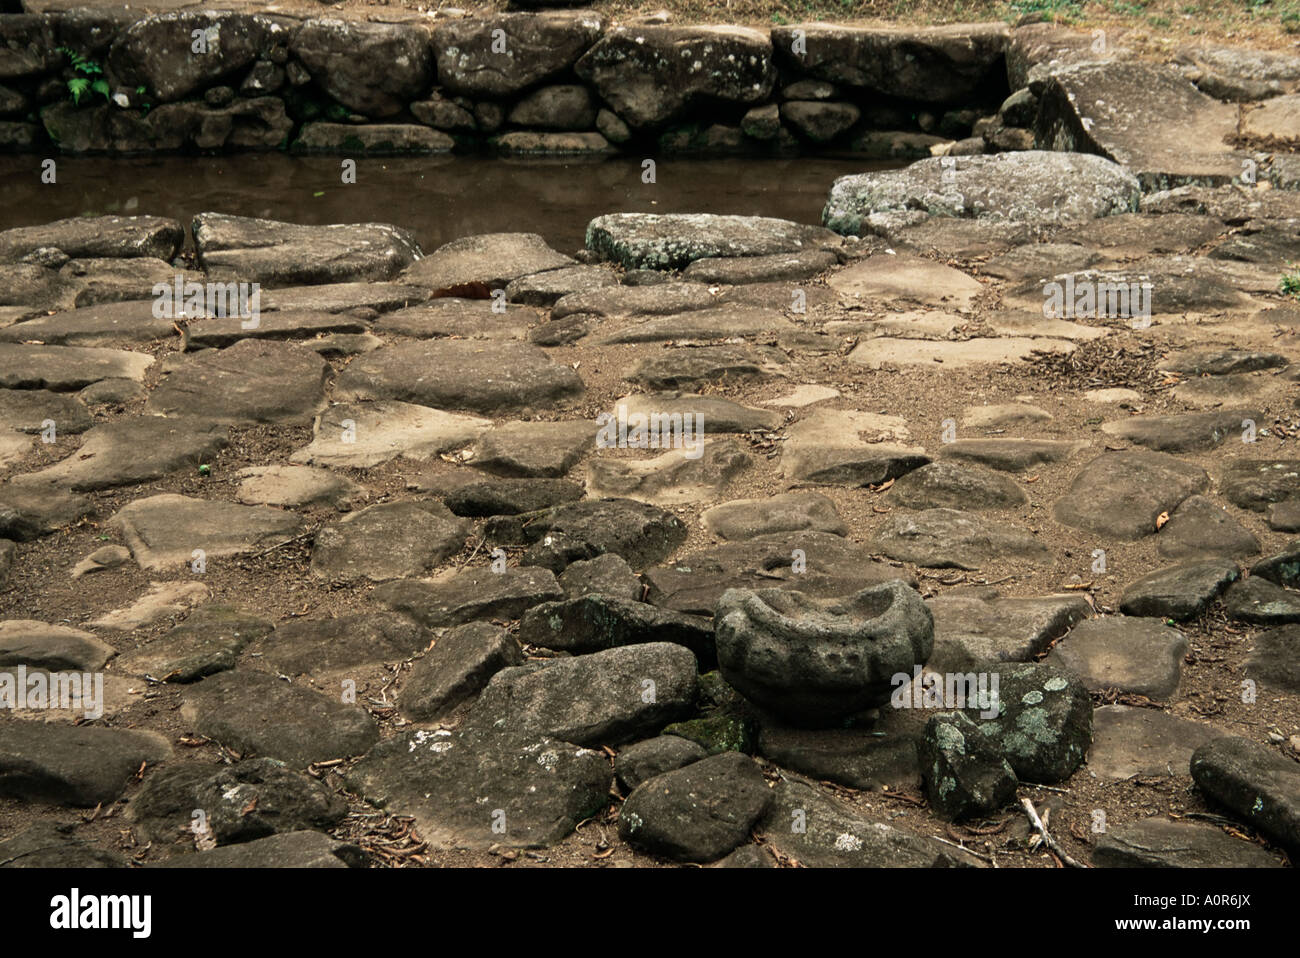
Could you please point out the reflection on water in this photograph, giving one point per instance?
(440, 198)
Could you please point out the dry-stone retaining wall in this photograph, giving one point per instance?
(568, 82)
(544, 82)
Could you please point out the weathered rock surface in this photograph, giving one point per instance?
(81, 766)
(671, 241)
(257, 712)
(617, 703)
(1255, 783)
(697, 813)
(475, 788)
(249, 250)
(1020, 187)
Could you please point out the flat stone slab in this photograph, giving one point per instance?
(32, 410)
(218, 332)
(294, 486)
(721, 322)
(1012, 455)
(249, 799)
(252, 381)
(46, 845)
(54, 648)
(883, 351)
(1260, 602)
(872, 757)
(490, 260)
(691, 368)
(710, 414)
(593, 699)
(816, 563)
(104, 324)
(366, 434)
(164, 531)
(1255, 484)
(955, 539)
(455, 670)
(673, 240)
(391, 540)
(1021, 187)
(850, 448)
(639, 532)
(594, 623)
(479, 495)
(164, 600)
(284, 254)
(1258, 784)
(326, 648)
(546, 288)
(78, 765)
(1146, 743)
(460, 374)
(1158, 843)
(970, 631)
(773, 268)
(449, 316)
(1129, 655)
(1122, 494)
(1200, 527)
(1186, 432)
(208, 641)
(890, 277)
(471, 594)
(788, 512)
(677, 476)
(1181, 591)
(1275, 659)
(628, 302)
(952, 484)
(257, 712)
(301, 849)
(96, 236)
(476, 788)
(837, 837)
(66, 368)
(343, 297)
(1148, 117)
(132, 451)
(697, 813)
(533, 449)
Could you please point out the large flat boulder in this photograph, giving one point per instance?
(132, 451)
(1148, 118)
(672, 240)
(246, 249)
(1033, 187)
(460, 374)
(491, 260)
(64, 368)
(952, 63)
(651, 74)
(537, 46)
(96, 236)
(164, 531)
(375, 69)
(156, 52)
(253, 381)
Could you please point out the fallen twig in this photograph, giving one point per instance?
(1048, 840)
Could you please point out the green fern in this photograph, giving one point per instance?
(77, 86)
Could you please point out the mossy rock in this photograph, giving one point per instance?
(723, 732)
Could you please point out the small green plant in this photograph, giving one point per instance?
(91, 79)
(1290, 285)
